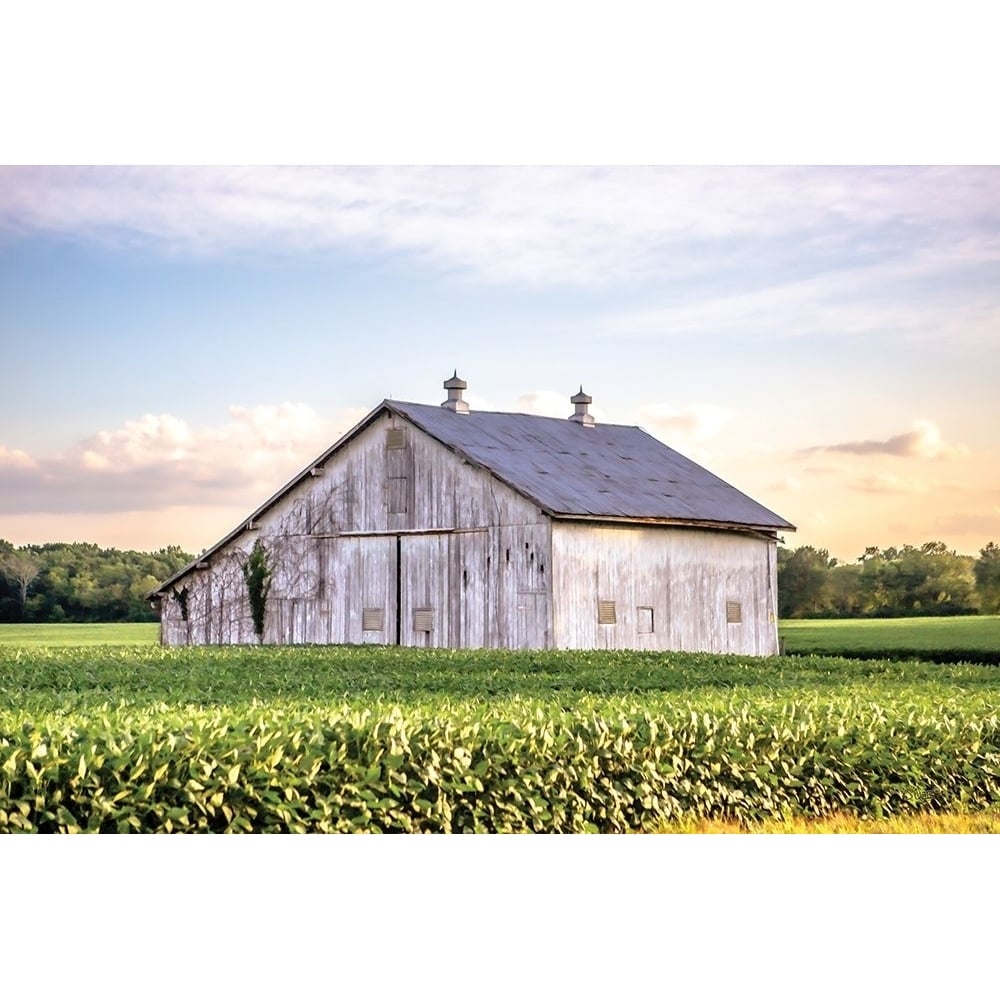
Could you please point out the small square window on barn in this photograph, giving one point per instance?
(606, 614)
(734, 613)
(397, 494)
(644, 620)
(395, 438)
(373, 619)
(423, 619)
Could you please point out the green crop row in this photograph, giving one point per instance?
(141, 675)
(597, 764)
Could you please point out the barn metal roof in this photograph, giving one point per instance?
(608, 470)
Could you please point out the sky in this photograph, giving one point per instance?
(177, 342)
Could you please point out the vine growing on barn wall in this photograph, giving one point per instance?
(181, 597)
(257, 572)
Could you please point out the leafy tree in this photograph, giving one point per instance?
(844, 589)
(893, 582)
(803, 581)
(987, 574)
(82, 582)
(930, 580)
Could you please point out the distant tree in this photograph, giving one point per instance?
(845, 595)
(81, 582)
(804, 581)
(987, 574)
(22, 567)
(929, 580)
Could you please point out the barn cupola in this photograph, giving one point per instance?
(581, 415)
(456, 386)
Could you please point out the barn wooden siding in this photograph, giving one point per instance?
(665, 588)
(396, 539)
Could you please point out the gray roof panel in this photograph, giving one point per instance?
(607, 470)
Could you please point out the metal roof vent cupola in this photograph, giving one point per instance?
(456, 386)
(580, 403)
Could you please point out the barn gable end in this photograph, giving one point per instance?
(389, 537)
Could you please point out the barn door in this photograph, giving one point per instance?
(442, 589)
(424, 604)
(357, 603)
(531, 620)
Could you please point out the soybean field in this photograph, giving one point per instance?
(375, 739)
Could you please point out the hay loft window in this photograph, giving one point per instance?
(423, 619)
(644, 620)
(373, 620)
(397, 494)
(606, 614)
(734, 613)
(395, 438)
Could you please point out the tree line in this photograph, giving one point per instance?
(888, 583)
(80, 582)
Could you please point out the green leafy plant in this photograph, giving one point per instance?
(367, 739)
(257, 572)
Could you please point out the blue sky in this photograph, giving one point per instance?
(178, 341)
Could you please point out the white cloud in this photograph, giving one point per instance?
(698, 422)
(544, 403)
(160, 460)
(864, 297)
(535, 225)
(14, 458)
(551, 403)
(789, 484)
(886, 482)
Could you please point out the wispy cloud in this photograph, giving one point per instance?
(159, 461)
(697, 422)
(544, 403)
(910, 293)
(980, 525)
(535, 225)
(787, 485)
(550, 403)
(924, 441)
(886, 482)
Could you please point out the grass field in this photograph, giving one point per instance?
(961, 637)
(72, 634)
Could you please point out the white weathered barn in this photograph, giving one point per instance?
(437, 526)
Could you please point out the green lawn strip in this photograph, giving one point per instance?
(74, 634)
(978, 632)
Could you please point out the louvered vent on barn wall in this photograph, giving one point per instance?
(373, 619)
(606, 614)
(734, 613)
(423, 619)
